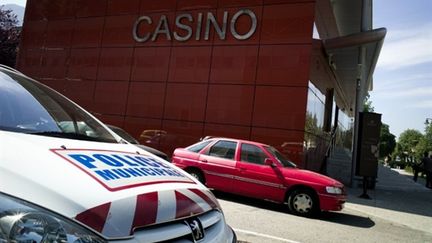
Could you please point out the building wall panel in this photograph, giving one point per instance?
(88, 32)
(146, 99)
(170, 93)
(280, 107)
(33, 36)
(59, 33)
(151, 64)
(195, 4)
(110, 98)
(185, 102)
(287, 23)
(284, 65)
(115, 64)
(234, 64)
(190, 64)
(54, 63)
(117, 31)
(83, 64)
(230, 104)
(118, 7)
(85, 8)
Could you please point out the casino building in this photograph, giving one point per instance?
(290, 73)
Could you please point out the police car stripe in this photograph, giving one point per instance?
(197, 199)
(120, 219)
(186, 207)
(95, 217)
(167, 209)
(146, 210)
(207, 196)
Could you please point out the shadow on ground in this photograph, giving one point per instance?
(334, 217)
(419, 203)
(347, 219)
(396, 192)
(421, 179)
(252, 202)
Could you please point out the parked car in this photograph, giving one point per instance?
(126, 136)
(258, 170)
(66, 177)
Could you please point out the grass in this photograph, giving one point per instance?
(409, 169)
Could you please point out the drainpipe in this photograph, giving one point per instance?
(360, 87)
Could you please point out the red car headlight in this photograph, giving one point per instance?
(334, 190)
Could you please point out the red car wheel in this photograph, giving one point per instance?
(303, 203)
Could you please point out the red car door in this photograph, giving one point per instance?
(219, 165)
(256, 179)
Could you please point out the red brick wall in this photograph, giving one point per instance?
(254, 89)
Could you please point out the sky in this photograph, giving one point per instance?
(403, 77)
(17, 2)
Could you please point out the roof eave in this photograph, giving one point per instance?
(372, 40)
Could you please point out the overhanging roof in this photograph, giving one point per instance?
(372, 40)
(343, 54)
(335, 18)
(342, 68)
(345, 27)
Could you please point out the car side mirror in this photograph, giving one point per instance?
(269, 162)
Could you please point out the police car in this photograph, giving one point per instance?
(65, 177)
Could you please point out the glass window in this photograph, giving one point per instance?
(223, 149)
(122, 133)
(198, 146)
(315, 110)
(284, 161)
(252, 154)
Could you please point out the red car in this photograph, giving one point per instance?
(258, 170)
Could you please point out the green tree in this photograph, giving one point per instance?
(408, 141)
(425, 144)
(9, 37)
(367, 107)
(387, 141)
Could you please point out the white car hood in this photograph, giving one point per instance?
(112, 188)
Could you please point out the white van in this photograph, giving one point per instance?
(65, 177)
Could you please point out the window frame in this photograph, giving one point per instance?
(256, 146)
(208, 150)
(206, 142)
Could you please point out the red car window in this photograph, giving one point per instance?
(252, 154)
(198, 146)
(223, 149)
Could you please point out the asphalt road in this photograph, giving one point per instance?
(260, 221)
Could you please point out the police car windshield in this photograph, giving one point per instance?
(29, 107)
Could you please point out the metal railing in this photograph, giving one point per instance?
(329, 151)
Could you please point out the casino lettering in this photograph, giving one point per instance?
(198, 26)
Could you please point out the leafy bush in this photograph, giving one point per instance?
(397, 163)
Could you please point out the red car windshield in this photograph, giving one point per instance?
(284, 161)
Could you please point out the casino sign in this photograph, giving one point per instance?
(198, 26)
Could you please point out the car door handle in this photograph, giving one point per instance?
(204, 160)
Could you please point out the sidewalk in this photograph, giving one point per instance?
(396, 198)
